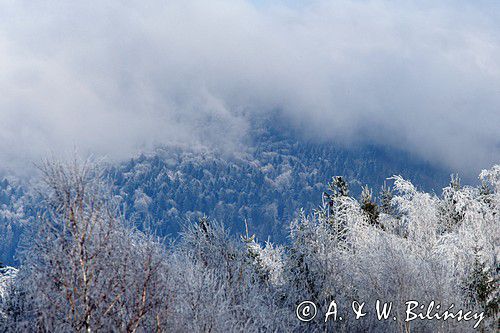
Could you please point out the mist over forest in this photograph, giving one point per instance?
(249, 166)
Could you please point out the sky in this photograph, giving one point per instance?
(116, 77)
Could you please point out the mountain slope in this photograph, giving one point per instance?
(265, 185)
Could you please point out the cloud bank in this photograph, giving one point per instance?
(115, 77)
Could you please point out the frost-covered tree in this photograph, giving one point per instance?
(369, 206)
(85, 271)
(7, 277)
(386, 196)
(217, 289)
(482, 286)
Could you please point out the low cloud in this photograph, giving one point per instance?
(116, 77)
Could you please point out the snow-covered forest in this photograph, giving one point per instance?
(88, 268)
(249, 166)
(265, 184)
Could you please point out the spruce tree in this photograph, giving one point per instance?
(369, 206)
(336, 189)
(482, 287)
(450, 216)
(386, 196)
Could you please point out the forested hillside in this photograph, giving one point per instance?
(15, 215)
(265, 184)
(88, 269)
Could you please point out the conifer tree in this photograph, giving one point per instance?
(253, 253)
(369, 206)
(450, 214)
(386, 196)
(337, 188)
(338, 191)
(482, 287)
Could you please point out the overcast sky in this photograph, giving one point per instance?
(114, 77)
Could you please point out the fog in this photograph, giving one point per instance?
(116, 77)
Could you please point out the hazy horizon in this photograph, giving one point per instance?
(114, 78)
